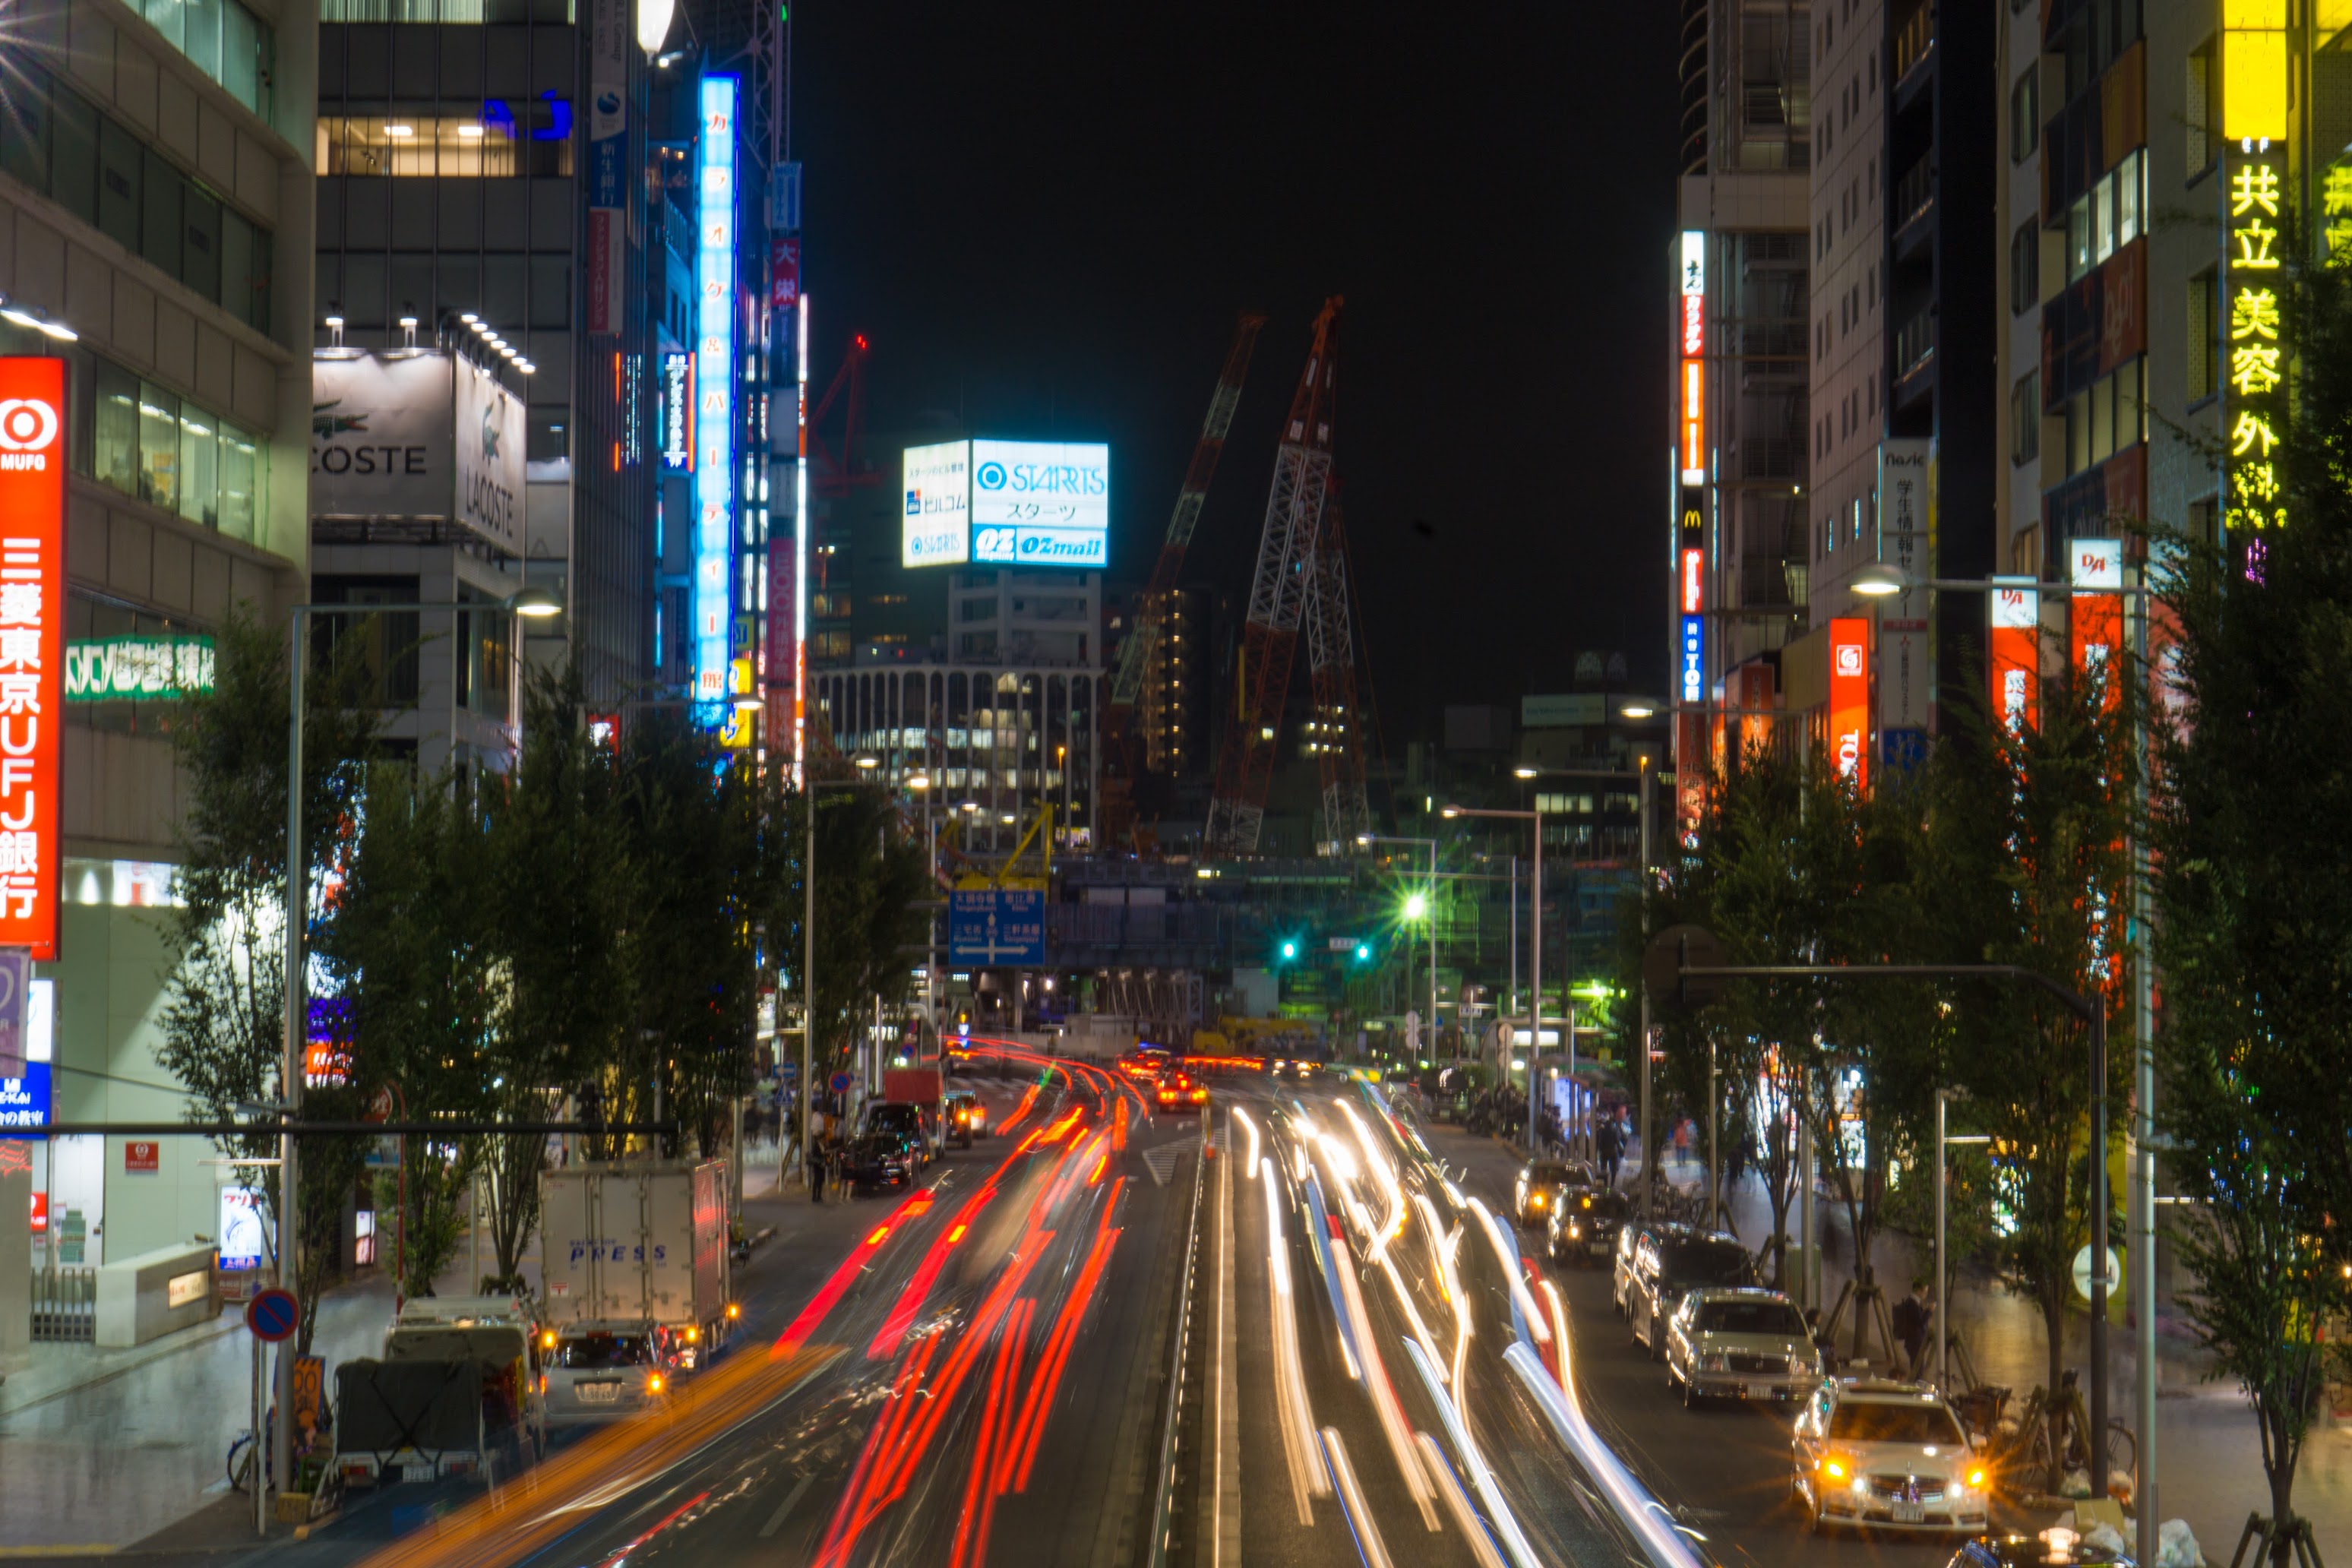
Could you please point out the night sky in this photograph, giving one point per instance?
(1045, 217)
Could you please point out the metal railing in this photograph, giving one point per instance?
(64, 1305)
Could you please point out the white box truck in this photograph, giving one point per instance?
(636, 1287)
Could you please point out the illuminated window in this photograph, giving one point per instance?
(525, 136)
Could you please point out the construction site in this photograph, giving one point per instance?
(1146, 823)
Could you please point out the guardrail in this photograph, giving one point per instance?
(65, 1304)
(1172, 1425)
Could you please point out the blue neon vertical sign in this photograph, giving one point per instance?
(714, 393)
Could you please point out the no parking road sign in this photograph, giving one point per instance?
(273, 1315)
(841, 1082)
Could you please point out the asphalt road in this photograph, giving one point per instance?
(977, 1373)
(1722, 1470)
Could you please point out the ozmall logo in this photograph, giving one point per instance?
(1849, 658)
(28, 427)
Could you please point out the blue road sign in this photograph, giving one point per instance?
(997, 927)
(273, 1315)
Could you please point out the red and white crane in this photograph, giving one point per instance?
(1301, 576)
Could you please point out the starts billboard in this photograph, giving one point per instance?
(1007, 504)
(1040, 504)
(938, 527)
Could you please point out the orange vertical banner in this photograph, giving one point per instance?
(1850, 698)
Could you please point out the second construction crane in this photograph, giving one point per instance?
(1301, 576)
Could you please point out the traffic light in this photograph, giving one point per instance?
(1289, 949)
(1363, 953)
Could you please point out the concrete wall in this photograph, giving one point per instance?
(110, 1003)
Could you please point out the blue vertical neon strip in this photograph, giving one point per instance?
(714, 392)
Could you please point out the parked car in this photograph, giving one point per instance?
(882, 1156)
(1582, 1226)
(1670, 1261)
(1888, 1456)
(907, 1119)
(1740, 1343)
(1533, 1194)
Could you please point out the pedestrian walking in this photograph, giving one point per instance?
(1910, 1320)
(816, 1157)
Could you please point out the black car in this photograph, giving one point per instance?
(881, 1157)
(1582, 1226)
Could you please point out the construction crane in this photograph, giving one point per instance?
(1135, 653)
(1289, 554)
(1336, 738)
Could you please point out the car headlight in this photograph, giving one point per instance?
(1975, 1479)
(1535, 1201)
(1574, 1231)
(1832, 1468)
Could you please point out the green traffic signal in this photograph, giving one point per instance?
(1289, 948)
(1363, 953)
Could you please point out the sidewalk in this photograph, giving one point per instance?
(2208, 1465)
(105, 1448)
(102, 1449)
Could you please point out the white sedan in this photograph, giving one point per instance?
(1889, 1456)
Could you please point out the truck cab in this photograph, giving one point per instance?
(458, 1392)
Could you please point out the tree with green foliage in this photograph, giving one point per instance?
(2252, 883)
(872, 889)
(224, 1011)
(2026, 860)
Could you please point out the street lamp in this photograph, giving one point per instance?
(1880, 580)
(1417, 906)
(1943, 1140)
(1535, 969)
(808, 952)
(532, 603)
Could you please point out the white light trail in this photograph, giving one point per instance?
(1307, 1478)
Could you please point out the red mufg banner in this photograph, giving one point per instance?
(32, 648)
(1850, 698)
(2016, 654)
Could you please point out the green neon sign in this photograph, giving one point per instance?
(149, 669)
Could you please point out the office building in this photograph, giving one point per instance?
(1738, 488)
(1172, 718)
(155, 237)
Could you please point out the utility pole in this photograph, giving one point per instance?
(1648, 1157)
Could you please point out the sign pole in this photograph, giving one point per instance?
(261, 1526)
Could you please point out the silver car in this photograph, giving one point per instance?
(1744, 1344)
(602, 1371)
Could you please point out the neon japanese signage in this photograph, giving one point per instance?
(2255, 368)
(1693, 352)
(1850, 698)
(2016, 652)
(714, 393)
(1694, 660)
(32, 647)
(1693, 578)
(678, 413)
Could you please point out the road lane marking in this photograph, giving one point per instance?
(1352, 1501)
(1225, 1532)
(1162, 1162)
(776, 1520)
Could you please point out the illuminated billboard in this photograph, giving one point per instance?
(32, 648)
(1007, 504)
(714, 392)
(937, 530)
(1850, 698)
(1040, 504)
(2016, 651)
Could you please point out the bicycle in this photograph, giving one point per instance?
(243, 1455)
(2027, 1447)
